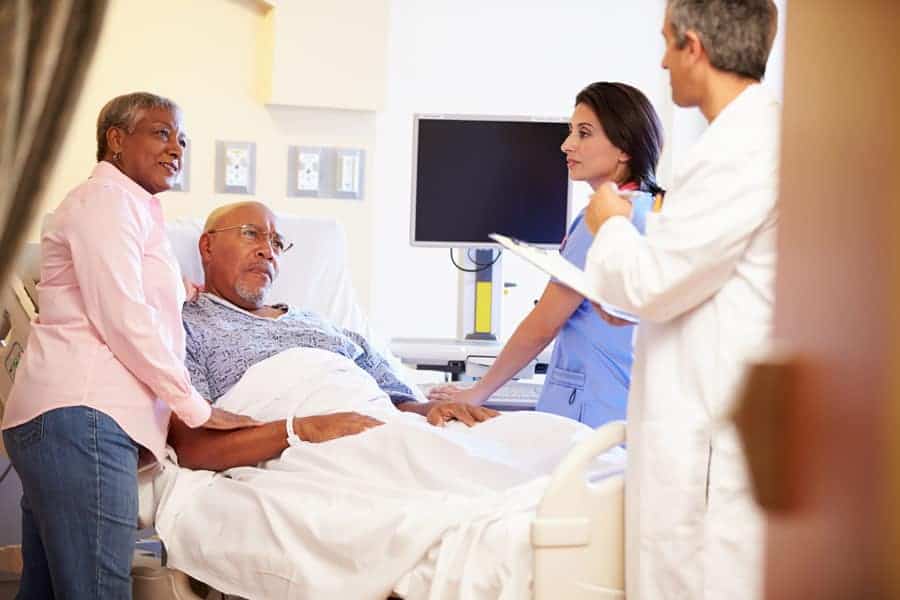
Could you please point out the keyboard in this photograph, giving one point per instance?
(513, 395)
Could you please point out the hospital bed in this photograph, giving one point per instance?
(577, 533)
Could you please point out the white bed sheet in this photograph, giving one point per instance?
(427, 512)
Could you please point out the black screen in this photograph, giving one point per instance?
(479, 177)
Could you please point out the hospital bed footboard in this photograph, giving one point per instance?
(578, 533)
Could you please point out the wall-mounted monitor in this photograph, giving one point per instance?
(474, 175)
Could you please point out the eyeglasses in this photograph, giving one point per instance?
(253, 234)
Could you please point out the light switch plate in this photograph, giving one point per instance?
(235, 167)
(348, 173)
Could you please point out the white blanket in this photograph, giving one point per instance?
(426, 512)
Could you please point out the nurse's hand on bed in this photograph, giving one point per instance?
(454, 393)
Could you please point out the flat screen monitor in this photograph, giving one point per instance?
(473, 176)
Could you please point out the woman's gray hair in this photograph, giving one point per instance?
(124, 112)
(736, 34)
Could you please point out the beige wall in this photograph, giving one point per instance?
(314, 40)
(204, 54)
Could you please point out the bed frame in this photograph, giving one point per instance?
(577, 533)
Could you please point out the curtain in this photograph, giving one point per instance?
(45, 48)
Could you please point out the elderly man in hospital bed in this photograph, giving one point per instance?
(230, 328)
(385, 502)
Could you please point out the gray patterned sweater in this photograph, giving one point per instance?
(224, 341)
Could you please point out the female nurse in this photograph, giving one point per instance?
(104, 364)
(614, 136)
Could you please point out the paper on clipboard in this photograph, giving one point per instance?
(551, 262)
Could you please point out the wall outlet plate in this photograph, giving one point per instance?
(235, 167)
(308, 169)
(322, 172)
(183, 181)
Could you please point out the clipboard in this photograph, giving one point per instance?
(552, 263)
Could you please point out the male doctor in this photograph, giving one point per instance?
(702, 283)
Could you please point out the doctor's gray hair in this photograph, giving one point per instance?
(736, 34)
(124, 111)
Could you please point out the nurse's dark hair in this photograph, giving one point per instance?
(631, 124)
(124, 112)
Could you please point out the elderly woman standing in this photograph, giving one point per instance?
(104, 365)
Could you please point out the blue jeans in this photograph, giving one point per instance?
(79, 504)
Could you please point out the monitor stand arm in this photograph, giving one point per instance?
(480, 295)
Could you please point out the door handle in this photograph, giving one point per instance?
(766, 414)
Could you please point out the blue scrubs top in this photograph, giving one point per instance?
(590, 370)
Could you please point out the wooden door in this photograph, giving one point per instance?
(838, 303)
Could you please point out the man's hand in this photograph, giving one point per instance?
(222, 419)
(605, 203)
(323, 428)
(442, 412)
(453, 393)
(438, 413)
(614, 321)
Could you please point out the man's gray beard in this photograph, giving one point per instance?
(250, 295)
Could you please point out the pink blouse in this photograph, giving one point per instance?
(109, 334)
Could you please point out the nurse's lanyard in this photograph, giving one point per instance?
(632, 186)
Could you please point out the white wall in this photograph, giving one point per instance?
(504, 57)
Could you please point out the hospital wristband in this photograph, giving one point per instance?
(292, 438)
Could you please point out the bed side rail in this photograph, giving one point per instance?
(17, 311)
(578, 533)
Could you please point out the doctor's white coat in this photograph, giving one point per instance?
(702, 282)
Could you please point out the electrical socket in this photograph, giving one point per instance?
(308, 171)
(235, 167)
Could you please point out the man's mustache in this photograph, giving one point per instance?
(262, 267)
